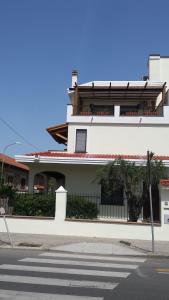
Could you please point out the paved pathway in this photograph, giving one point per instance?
(98, 248)
(101, 245)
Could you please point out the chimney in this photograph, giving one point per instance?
(74, 77)
(154, 67)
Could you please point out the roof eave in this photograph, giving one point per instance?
(76, 160)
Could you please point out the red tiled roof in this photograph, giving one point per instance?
(11, 161)
(164, 182)
(85, 155)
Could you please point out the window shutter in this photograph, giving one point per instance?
(81, 135)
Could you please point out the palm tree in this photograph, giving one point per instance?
(132, 179)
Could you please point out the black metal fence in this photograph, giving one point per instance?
(78, 203)
(79, 206)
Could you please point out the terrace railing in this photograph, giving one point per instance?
(144, 112)
(87, 111)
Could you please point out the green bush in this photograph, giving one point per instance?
(34, 205)
(7, 191)
(79, 208)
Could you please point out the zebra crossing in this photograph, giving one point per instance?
(81, 276)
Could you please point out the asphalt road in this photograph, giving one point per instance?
(32, 274)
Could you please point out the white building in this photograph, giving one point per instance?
(105, 120)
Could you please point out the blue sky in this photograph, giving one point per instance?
(42, 41)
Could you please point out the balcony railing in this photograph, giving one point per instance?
(117, 111)
(98, 113)
(93, 110)
(143, 113)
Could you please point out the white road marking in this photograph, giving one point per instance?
(58, 282)
(82, 256)
(64, 270)
(79, 263)
(19, 295)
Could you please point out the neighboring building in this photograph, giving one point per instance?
(15, 174)
(105, 120)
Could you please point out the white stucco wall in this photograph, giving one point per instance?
(121, 135)
(86, 229)
(76, 176)
(159, 69)
(154, 68)
(122, 138)
(82, 176)
(164, 70)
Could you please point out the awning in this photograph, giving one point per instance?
(120, 90)
(59, 133)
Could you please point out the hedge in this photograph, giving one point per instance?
(79, 208)
(34, 205)
(44, 205)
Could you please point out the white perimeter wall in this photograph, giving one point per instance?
(86, 229)
(59, 226)
(122, 138)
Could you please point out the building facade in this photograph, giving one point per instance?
(105, 120)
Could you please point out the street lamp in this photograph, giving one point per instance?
(3, 152)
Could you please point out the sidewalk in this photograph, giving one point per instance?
(84, 245)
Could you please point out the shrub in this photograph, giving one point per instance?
(34, 205)
(79, 208)
(8, 192)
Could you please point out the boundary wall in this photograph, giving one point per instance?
(62, 226)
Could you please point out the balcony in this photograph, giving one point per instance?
(119, 116)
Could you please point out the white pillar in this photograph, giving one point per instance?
(61, 202)
(117, 111)
(74, 77)
(31, 181)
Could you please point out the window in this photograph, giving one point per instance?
(81, 136)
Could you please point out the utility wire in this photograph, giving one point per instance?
(18, 134)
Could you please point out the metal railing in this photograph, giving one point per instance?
(112, 210)
(87, 111)
(144, 112)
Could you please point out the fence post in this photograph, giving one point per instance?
(61, 202)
